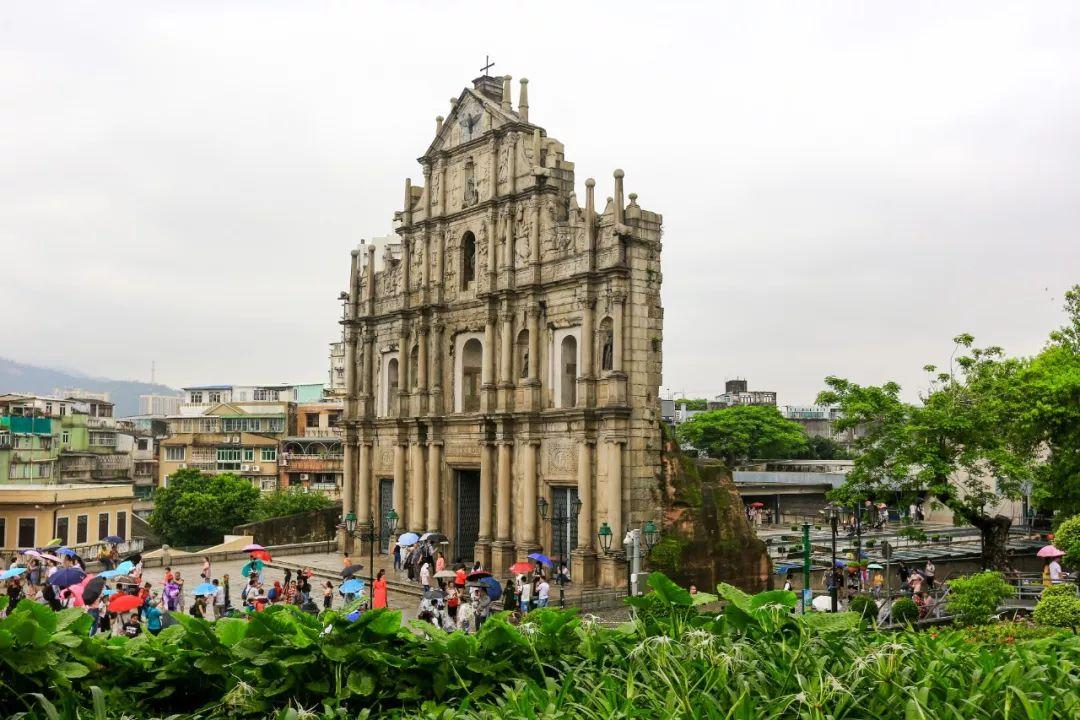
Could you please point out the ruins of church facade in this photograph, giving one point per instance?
(507, 350)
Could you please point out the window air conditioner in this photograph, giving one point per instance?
(255, 468)
(182, 466)
(245, 468)
(303, 477)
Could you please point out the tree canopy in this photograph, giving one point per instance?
(989, 427)
(288, 502)
(692, 403)
(738, 433)
(194, 508)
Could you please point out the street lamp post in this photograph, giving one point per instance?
(632, 541)
(367, 532)
(833, 518)
(559, 524)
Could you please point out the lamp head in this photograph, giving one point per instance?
(542, 507)
(604, 536)
(391, 521)
(350, 522)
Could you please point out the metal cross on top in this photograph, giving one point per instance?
(487, 65)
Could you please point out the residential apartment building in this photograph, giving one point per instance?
(159, 405)
(336, 387)
(28, 449)
(82, 516)
(313, 459)
(817, 421)
(736, 392)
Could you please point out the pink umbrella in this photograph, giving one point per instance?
(1050, 551)
(31, 553)
(47, 556)
(77, 591)
(253, 546)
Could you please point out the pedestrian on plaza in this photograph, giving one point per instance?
(904, 573)
(397, 557)
(525, 593)
(144, 595)
(1046, 579)
(916, 582)
(327, 595)
(1056, 575)
(346, 561)
(466, 614)
(380, 590)
(440, 562)
(928, 573)
(543, 592)
(425, 576)
(198, 608)
(219, 600)
(130, 626)
(168, 575)
(206, 568)
(153, 616)
(459, 576)
(225, 589)
(181, 602)
(477, 566)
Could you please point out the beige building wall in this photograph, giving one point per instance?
(107, 510)
(543, 304)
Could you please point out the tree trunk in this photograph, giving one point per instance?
(994, 530)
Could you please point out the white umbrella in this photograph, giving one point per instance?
(822, 603)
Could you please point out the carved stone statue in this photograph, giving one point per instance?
(471, 197)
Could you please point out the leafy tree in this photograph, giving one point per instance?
(693, 403)
(738, 433)
(819, 447)
(1047, 414)
(974, 599)
(958, 445)
(288, 502)
(195, 508)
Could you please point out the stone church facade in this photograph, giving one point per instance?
(508, 350)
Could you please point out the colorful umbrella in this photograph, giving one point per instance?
(205, 589)
(124, 580)
(494, 589)
(1050, 552)
(251, 566)
(541, 559)
(124, 603)
(875, 566)
(446, 574)
(757, 504)
(49, 556)
(351, 570)
(351, 587)
(93, 589)
(13, 572)
(55, 542)
(521, 568)
(260, 555)
(434, 595)
(477, 574)
(407, 539)
(32, 553)
(66, 551)
(434, 537)
(67, 576)
(125, 567)
(109, 573)
(114, 539)
(253, 546)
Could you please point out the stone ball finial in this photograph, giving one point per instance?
(589, 182)
(633, 197)
(523, 81)
(453, 102)
(355, 253)
(620, 174)
(507, 78)
(439, 118)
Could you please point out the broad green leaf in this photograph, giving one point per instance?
(230, 631)
(668, 591)
(72, 670)
(362, 682)
(785, 598)
(733, 595)
(704, 598)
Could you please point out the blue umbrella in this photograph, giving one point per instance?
(206, 589)
(67, 576)
(66, 551)
(407, 539)
(125, 567)
(251, 566)
(353, 616)
(351, 587)
(109, 573)
(494, 589)
(114, 539)
(541, 559)
(13, 572)
(841, 563)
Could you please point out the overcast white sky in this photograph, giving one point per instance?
(845, 186)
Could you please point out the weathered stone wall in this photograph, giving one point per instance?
(706, 538)
(312, 526)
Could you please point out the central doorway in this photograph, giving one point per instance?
(564, 535)
(467, 491)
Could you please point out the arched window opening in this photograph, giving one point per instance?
(568, 366)
(472, 355)
(468, 259)
(391, 386)
(607, 345)
(521, 354)
(414, 365)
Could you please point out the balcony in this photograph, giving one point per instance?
(313, 463)
(317, 432)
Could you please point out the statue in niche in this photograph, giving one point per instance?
(504, 164)
(469, 124)
(471, 197)
(435, 188)
(607, 349)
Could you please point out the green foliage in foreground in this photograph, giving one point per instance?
(1058, 610)
(1067, 538)
(753, 660)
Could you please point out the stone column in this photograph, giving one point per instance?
(586, 394)
(427, 194)
(369, 282)
(434, 474)
(614, 493)
(403, 371)
(422, 361)
(506, 94)
(442, 186)
(487, 367)
(502, 550)
(617, 344)
(528, 495)
(417, 491)
(408, 202)
(620, 209)
(348, 479)
(399, 487)
(506, 360)
(493, 244)
(493, 174)
(435, 407)
(511, 164)
(486, 462)
(425, 264)
(368, 373)
(406, 268)
(440, 262)
(590, 222)
(534, 233)
(534, 343)
(584, 557)
(363, 502)
(523, 100)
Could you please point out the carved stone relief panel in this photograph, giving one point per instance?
(558, 459)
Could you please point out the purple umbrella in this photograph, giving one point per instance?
(541, 559)
(66, 577)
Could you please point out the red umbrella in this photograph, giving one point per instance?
(757, 504)
(477, 574)
(263, 555)
(521, 568)
(124, 603)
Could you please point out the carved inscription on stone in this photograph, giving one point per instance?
(386, 459)
(462, 450)
(559, 459)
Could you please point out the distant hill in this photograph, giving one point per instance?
(17, 377)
